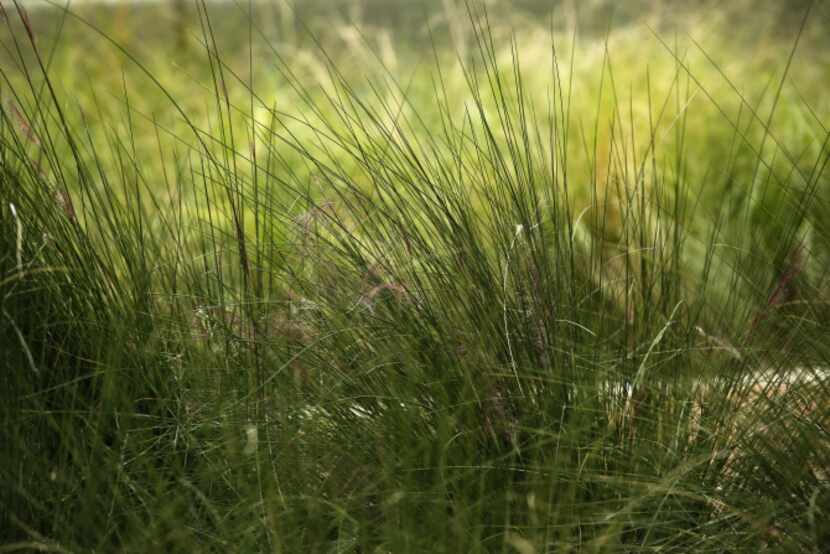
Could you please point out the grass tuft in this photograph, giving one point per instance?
(511, 289)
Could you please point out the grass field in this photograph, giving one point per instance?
(415, 277)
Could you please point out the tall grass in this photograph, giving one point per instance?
(500, 303)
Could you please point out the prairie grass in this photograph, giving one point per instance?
(505, 288)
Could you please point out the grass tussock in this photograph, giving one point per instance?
(505, 291)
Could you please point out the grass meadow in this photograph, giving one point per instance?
(386, 277)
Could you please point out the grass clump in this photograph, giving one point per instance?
(505, 301)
